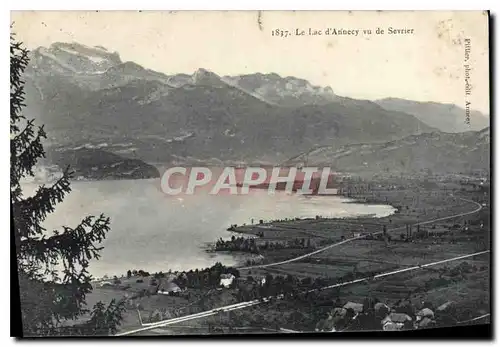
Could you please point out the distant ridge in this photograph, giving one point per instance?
(88, 95)
(445, 117)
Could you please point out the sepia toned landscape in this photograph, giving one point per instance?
(404, 244)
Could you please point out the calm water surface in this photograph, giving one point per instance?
(156, 232)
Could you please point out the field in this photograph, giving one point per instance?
(374, 252)
(450, 238)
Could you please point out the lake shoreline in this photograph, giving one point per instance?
(155, 232)
(253, 229)
(241, 258)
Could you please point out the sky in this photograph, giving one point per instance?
(425, 64)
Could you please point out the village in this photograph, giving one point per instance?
(292, 264)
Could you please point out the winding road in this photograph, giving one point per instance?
(479, 207)
(241, 305)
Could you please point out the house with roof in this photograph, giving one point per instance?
(326, 325)
(105, 283)
(396, 321)
(397, 318)
(425, 313)
(392, 326)
(425, 323)
(356, 307)
(226, 280)
(169, 288)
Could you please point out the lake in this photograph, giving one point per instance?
(156, 232)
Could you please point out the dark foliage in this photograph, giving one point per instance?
(51, 299)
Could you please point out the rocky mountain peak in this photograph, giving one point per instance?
(206, 77)
(286, 91)
(74, 58)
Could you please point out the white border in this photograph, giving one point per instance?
(201, 5)
(252, 5)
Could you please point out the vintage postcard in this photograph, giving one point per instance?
(250, 172)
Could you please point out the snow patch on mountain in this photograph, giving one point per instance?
(73, 58)
(282, 90)
(53, 59)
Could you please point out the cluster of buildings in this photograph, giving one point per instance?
(340, 318)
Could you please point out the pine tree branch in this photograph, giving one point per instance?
(74, 247)
(30, 212)
(22, 163)
(46, 303)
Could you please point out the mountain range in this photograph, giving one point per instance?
(435, 152)
(87, 97)
(445, 117)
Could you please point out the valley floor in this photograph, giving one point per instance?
(465, 282)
